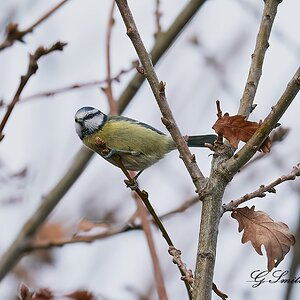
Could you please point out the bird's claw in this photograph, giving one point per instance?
(110, 153)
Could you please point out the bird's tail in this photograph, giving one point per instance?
(201, 140)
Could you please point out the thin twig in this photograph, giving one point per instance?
(110, 231)
(32, 68)
(76, 86)
(108, 89)
(14, 34)
(158, 15)
(182, 207)
(158, 277)
(162, 44)
(263, 189)
(187, 273)
(258, 56)
(145, 198)
(159, 280)
(251, 147)
(277, 136)
(35, 245)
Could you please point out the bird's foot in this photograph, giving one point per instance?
(113, 152)
(109, 153)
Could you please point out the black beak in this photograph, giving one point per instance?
(79, 121)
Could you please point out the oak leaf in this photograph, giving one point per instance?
(41, 294)
(89, 228)
(53, 232)
(236, 128)
(260, 229)
(24, 293)
(87, 225)
(81, 295)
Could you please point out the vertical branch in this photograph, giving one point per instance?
(158, 15)
(108, 89)
(162, 43)
(250, 148)
(158, 277)
(158, 89)
(144, 197)
(258, 56)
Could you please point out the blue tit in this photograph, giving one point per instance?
(138, 145)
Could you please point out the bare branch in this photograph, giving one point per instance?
(14, 34)
(158, 89)
(158, 277)
(158, 15)
(187, 273)
(258, 56)
(32, 68)
(22, 241)
(181, 208)
(263, 189)
(131, 183)
(110, 231)
(250, 148)
(162, 43)
(76, 86)
(108, 89)
(276, 137)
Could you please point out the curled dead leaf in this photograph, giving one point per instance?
(260, 229)
(236, 128)
(24, 293)
(41, 294)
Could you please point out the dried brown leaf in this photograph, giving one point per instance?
(86, 225)
(43, 294)
(260, 229)
(52, 232)
(81, 295)
(24, 293)
(236, 128)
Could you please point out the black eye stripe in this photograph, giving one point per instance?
(91, 115)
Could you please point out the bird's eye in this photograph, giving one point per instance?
(89, 116)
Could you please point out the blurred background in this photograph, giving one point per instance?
(209, 61)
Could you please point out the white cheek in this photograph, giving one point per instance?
(94, 123)
(78, 129)
(90, 124)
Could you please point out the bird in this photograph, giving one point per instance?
(137, 144)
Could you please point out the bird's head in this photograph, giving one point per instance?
(88, 120)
